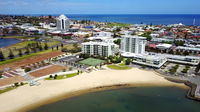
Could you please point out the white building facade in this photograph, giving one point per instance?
(133, 44)
(134, 47)
(63, 23)
(100, 48)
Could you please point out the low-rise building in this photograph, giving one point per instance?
(191, 49)
(100, 48)
(163, 46)
(189, 60)
(154, 61)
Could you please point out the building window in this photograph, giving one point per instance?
(63, 25)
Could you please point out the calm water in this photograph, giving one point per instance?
(155, 19)
(8, 42)
(166, 99)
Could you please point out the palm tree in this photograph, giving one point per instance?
(1, 56)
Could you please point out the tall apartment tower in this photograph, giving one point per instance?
(133, 44)
(63, 23)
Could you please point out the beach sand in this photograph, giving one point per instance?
(27, 97)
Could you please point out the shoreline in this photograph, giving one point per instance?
(52, 91)
(91, 90)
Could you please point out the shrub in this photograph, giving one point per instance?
(27, 69)
(16, 84)
(21, 83)
(55, 77)
(51, 76)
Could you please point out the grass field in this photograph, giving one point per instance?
(19, 37)
(91, 62)
(7, 89)
(28, 56)
(23, 45)
(60, 77)
(11, 88)
(118, 24)
(24, 57)
(119, 67)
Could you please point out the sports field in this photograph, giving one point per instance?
(92, 62)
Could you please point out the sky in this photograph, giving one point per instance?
(99, 6)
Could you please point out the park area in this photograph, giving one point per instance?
(24, 45)
(92, 62)
(29, 59)
(119, 67)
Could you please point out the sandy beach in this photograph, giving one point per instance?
(26, 97)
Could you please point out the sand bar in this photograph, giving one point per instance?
(27, 96)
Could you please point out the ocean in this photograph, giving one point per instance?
(141, 99)
(155, 19)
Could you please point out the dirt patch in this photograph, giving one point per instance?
(47, 71)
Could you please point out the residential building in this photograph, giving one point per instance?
(63, 23)
(100, 48)
(133, 44)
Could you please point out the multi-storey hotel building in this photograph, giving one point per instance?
(100, 48)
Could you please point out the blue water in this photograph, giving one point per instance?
(144, 99)
(137, 19)
(8, 42)
(156, 19)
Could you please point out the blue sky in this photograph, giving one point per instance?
(99, 6)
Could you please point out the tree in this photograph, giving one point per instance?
(171, 51)
(128, 61)
(186, 53)
(20, 52)
(55, 77)
(27, 69)
(16, 84)
(46, 46)
(11, 55)
(147, 35)
(179, 43)
(1, 56)
(62, 45)
(50, 76)
(118, 41)
(40, 47)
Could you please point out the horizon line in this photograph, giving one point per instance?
(99, 14)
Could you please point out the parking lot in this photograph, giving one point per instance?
(179, 69)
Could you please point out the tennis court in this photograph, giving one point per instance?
(92, 62)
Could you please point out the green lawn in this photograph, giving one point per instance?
(91, 61)
(60, 77)
(23, 45)
(19, 37)
(119, 67)
(11, 88)
(24, 57)
(118, 24)
(7, 89)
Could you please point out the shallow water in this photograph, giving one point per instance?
(8, 42)
(143, 99)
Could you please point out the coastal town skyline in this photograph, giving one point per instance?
(99, 7)
(99, 55)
